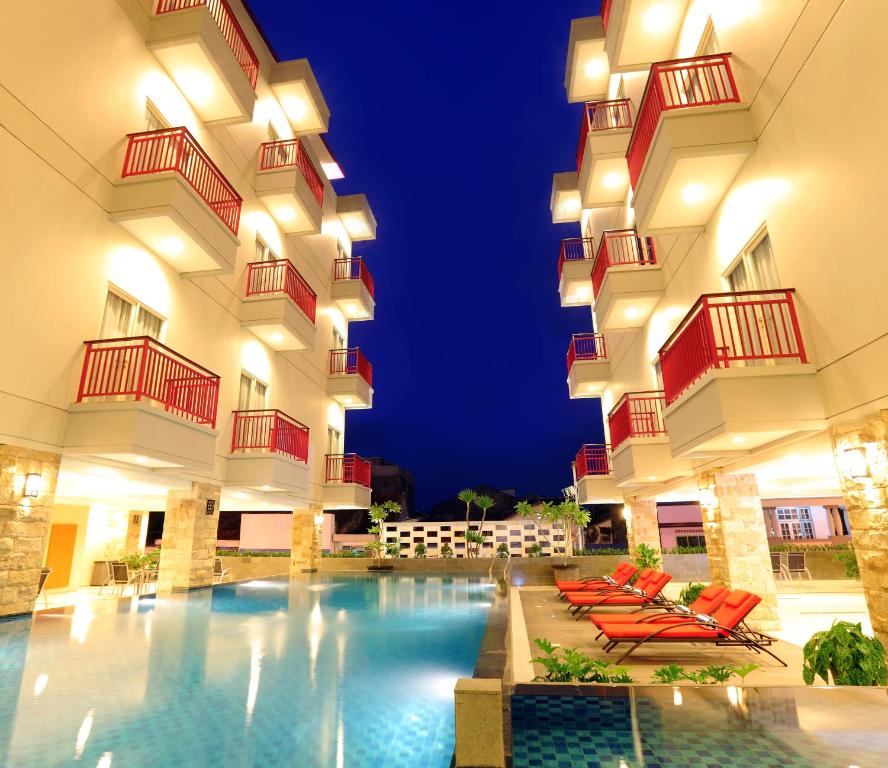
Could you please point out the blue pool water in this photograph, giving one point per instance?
(334, 671)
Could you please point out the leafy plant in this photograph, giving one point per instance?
(484, 503)
(669, 675)
(378, 513)
(536, 513)
(344, 554)
(571, 518)
(446, 551)
(142, 561)
(744, 670)
(419, 551)
(843, 651)
(535, 550)
(468, 497)
(690, 593)
(393, 548)
(644, 557)
(685, 551)
(809, 547)
(848, 559)
(600, 552)
(502, 550)
(674, 673)
(714, 673)
(568, 665)
(474, 542)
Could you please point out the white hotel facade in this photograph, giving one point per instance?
(727, 173)
(178, 285)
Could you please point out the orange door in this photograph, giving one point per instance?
(60, 554)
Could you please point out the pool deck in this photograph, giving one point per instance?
(805, 607)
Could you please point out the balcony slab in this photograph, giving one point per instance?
(598, 489)
(565, 202)
(296, 87)
(588, 378)
(138, 433)
(640, 32)
(278, 322)
(627, 296)
(266, 472)
(167, 216)
(694, 157)
(731, 411)
(190, 46)
(641, 461)
(353, 299)
(350, 390)
(286, 195)
(575, 285)
(345, 496)
(604, 174)
(587, 74)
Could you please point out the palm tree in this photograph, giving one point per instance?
(483, 503)
(468, 496)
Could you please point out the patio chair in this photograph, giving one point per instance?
(122, 578)
(582, 603)
(725, 627)
(709, 599)
(44, 575)
(220, 573)
(109, 576)
(795, 564)
(644, 576)
(621, 575)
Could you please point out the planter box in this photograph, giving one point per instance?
(256, 567)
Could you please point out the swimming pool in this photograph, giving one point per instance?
(331, 670)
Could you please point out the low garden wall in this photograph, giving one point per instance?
(255, 567)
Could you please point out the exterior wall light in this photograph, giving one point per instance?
(319, 519)
(855, 463)
(33, 485)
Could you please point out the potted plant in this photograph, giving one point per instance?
(419, 551)
(571, 518)
(379, 549)
(843, 651)
(644, 557)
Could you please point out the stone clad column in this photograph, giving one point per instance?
(305, 545)
(642, 525)
(861, 451)
(737, 542)
(190, 525)
(24, 523)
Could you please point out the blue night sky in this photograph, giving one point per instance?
(452, 117)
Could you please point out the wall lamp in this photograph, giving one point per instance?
(33, 485)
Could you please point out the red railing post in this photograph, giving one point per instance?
(143, 362)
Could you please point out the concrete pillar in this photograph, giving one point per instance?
(642, 525)
(836, 519)
(772, 527)
(737, 542)
(24, 523)
(305, 545)
(478, 707)
(861, 451)
(190, 524)
(135, 539)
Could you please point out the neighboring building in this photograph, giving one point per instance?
(391, 482)
(728, 154)
(178, 289)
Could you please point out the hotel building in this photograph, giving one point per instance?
(177, 290)
(726, 167)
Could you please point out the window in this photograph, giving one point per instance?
(263, 251)
(252, 394)
(756, 269)
(795, 523)
(124, 317)
(338, 340)
(690, 541)
(153, 119)
(708, 41)
(334, 440)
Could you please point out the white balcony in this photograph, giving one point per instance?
(279, 306)
(297, 90)
(350, 378)
(575, 271)
(737, 377)
(605, 130)
(627, 281)
(347, 482)
(588, 368)
(353, 289)
(201, 45)
(357, 218)
(587, 74)
(641, 454)
(290, 187)
(565, 203)
(175, 201)
(640, 32)
(692, 136)
(594, 476)
(269, 453)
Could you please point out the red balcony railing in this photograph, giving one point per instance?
(729, 330)
(175, 149)
(292, 154)
(270, 431)
(348, 468)
(351, 361)
(602, 116)
(605, 13)
(698, 82)
(280, 276)
(586, 346)
(229, 27)
(142, 368)
(593, 459)
(575, 249)
(354, 269)
(637, 414)
(620, 248)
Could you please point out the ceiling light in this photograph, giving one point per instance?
(582, 293)
(613, 180)
(197, 87)
(276, 338)
(570, 205)
(632, 313)
(738, 439)
(656, 18)
(285, 213)
(693, 193)
(170, 246)
(594, 68)
(295, 108)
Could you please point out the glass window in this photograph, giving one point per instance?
(795, 523)
(334, 440)
(252, 393)
(126, 317)
(338, 340)
(756, 270)
(153, 119)
(263, 251)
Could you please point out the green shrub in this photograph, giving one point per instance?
(446, 551)
(419, 551)
(251, 553)
(644, 557)
(685, 551)
(601, 552)
(711, 675)
(843, 651)
(502, 550)
(809, 547)
(568, 665)
(848, 559)
(344, 553)
(535, 550)
(690, 593)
